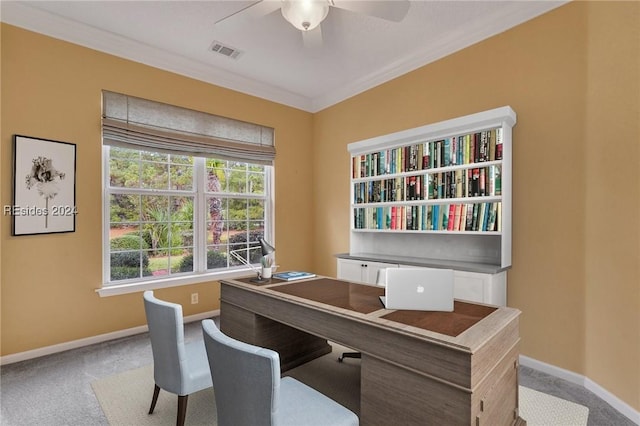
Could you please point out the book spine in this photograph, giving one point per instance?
(492, 144)
(492, 217)
(492, 180)
(474, 226)
(475, 184)
(485, 216)
(435, 217)
(459, 183)
(414, 217)
(451, 217)
(469, 219)
(456, 218)
(432, 154)
(463, 218)
(499, 143)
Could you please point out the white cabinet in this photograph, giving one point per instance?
(470, 286)
(361, 271)
(477, 287)
(484, 288)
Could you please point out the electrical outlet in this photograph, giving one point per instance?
(194, 298)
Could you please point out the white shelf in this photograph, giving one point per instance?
(487, 247)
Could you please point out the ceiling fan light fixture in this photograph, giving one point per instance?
(305, 15)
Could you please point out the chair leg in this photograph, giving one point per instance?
(349, 355)
(156, 391)
(182, 409)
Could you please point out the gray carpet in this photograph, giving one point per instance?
(125, 397)
(56, 390)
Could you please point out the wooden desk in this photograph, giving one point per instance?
(417, 368)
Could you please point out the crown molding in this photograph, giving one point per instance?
(506, 18)
(20, 15)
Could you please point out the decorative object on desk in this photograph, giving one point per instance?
(266, 261)
(293, 275)
(43, 171)
(266, 272)
(267, 267)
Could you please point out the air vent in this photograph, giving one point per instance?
(225, 50)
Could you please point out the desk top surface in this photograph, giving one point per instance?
(362, 301)
(365, 299)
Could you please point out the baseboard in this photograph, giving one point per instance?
(613, 400)
(74, 344)
(578, 379)
(561, 373)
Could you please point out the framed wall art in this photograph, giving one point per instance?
(44, 186)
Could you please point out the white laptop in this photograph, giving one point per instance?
(421, 289)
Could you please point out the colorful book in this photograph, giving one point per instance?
(451, 217)
(293, 275)
(492, 144)
(492, 217)
(456, 217)
(468, 226)
(499, 143)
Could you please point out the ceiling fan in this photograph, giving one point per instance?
(307, 15)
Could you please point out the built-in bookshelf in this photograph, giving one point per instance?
(440, 191)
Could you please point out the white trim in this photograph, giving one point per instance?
(199, 195)
(613, 400)
(481, 29)
(561, 373)
(497, 117)
(74, 344)
(585, 382)
(51, 25)
(61, 28)
(118, 289)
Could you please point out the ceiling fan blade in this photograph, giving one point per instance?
(249, 14)
(313, 38)
(391, 10)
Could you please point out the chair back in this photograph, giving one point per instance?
(246, 377)
(166, 331)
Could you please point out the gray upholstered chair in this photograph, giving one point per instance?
(178, 367)
(250, 392)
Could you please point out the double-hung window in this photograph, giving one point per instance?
(182, 190)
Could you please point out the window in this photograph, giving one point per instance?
(174, 216)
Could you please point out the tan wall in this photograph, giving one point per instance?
(52, 89)
(575, 279)
(612, 220)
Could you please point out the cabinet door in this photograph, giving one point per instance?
(361, 271)
(372, 270)
(351, 270)
(469, 286)
(483, 288)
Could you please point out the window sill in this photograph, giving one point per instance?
(119, 289)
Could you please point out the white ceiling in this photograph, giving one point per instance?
(358, 51)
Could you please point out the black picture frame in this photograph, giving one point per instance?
(44, 186)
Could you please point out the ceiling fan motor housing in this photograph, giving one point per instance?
(305, 15)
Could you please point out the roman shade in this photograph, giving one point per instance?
(138, 123)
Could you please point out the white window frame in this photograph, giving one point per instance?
(200, 273)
